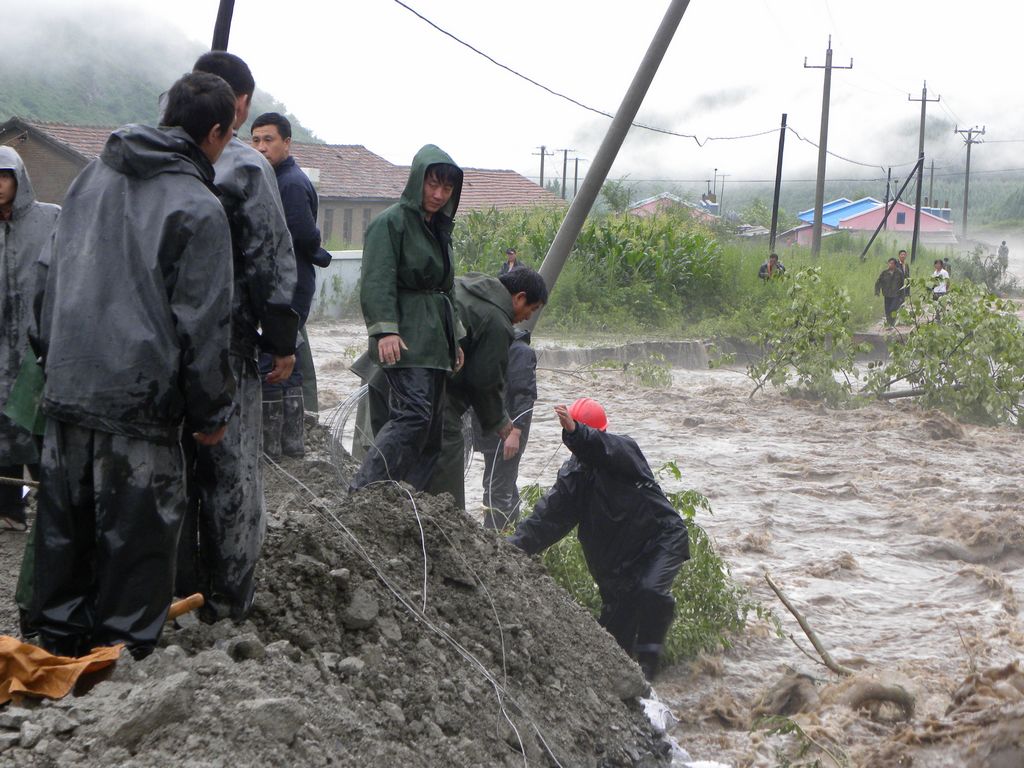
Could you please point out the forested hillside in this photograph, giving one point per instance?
(86, 68)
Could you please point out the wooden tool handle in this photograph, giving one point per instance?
(185, 605)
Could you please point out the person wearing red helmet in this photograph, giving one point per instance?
(633, 539)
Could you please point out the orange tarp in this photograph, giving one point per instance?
(29, 670)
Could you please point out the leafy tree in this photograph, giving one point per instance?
(617, 195)
(964, 352)
(806, 341)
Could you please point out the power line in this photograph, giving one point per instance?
(850, 180)
(881, 166)
(570, 99)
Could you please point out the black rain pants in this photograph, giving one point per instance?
(408, 445)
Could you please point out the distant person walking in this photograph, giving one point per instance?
(890, 286)
(940, 280)
(511, 262)
(771, 268)
(1003, 252)
(905, 269)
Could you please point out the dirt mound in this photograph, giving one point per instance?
(389, 629)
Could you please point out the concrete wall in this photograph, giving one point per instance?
(336, 286)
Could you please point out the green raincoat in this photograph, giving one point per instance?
(408, 274)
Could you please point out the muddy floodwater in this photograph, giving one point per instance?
(896, 531)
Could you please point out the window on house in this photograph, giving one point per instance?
(901, 217)
(346, 225)
(328, 224)
(367, 214)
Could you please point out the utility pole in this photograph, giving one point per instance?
(721, 197)
(565, 167)
(778, 186)
(576, 216)
(920, 160)
(543, 153)
(969, 139)
(888, 181)
(819, 188)
(222, 27)
(576, 179)
(931, 186)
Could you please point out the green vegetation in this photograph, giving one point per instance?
(711, 608)
(964, 352)
(667, 274)
(806, 339)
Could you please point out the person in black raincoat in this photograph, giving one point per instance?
(223, 532)
(134, 333)
(633, 540)
(488, 307)
(25, 228)
(406, 293)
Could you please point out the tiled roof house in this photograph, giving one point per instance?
(354, 184)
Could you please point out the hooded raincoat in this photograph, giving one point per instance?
(22, 239)
(136, 316)
(408, 273)
(135, 333)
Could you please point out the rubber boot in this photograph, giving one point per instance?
(657, 613)
(273, 417)
(293, 430)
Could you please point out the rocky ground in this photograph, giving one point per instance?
(390, 629)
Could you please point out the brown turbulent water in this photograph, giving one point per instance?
(897, 532)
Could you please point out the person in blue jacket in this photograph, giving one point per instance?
(633, 539)
(284, 404)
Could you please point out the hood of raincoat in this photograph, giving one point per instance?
(412, 196)
(26, 196)
(489, 289)
(142, 152)
(135, 315)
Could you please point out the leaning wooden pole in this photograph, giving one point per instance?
(564, 240)
(222, 27)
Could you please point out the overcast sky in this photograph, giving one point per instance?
(370, 72)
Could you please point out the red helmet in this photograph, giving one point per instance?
(589, 412)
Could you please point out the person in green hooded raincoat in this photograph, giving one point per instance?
(408, 304)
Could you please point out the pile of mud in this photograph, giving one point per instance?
(388, 630)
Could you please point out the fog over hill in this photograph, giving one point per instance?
(96, 65)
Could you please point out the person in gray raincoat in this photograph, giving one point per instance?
(225, 526)
(501, 495)
(25, 227)
(134, 333)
